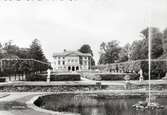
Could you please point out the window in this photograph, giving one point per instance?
(85, 62)
(58, 57)
(59, 62)
(63, 62)
(63, 57)
(85, 57)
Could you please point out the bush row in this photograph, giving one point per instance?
(2, 79)
(117, 76)
(158, 68)
(112, 76)
(53, 77)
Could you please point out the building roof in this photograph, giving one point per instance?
(73, 53)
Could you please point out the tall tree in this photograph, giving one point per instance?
(125, 53)
(110, 52)
(13, 49)
(165, 40)
(36, 51)
(156, 43)
(87, 49)
(139, 50)
(140, 47)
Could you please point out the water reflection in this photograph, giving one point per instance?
(117, 107)
(93, 106)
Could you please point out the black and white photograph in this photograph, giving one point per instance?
(83, 57)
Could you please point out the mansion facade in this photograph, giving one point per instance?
(71, 61)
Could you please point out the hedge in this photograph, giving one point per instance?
(112, 76)
(66, 77)
(54, 77)
(158, 68)
(2, 79)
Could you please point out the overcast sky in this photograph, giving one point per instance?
(62, 24)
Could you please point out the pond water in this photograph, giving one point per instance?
(96, 106)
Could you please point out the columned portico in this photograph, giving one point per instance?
(73, 68)
(71, 61)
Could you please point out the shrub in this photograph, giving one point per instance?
(35, 77)
(54, 77)
(114, 76)
(158, 68)
(2, 79)
(66, 77)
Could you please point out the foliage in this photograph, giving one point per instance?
(139, 50)
(22, 62)
(35, 77)
(53, 77)
(13, 49)
(66, 77)
(36, 51)
(165, 40)
(140, 47)
(125, 53)
(110, 52)
(2, 79)
(158, 68)
(13, 67)
(112, 76)
(87, 49)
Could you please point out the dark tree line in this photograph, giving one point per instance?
(112, 52)
(33, 52)
(87, 49)
(29, 60)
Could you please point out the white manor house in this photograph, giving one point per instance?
(71, 61)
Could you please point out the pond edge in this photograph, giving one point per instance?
(31, 105)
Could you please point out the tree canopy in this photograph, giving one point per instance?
(12, 49)
(36, 51)
(140, 47)
(124, 53)
(110, 52)
(87, 49)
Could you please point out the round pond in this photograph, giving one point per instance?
(95, 105)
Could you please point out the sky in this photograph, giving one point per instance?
(66, 24)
